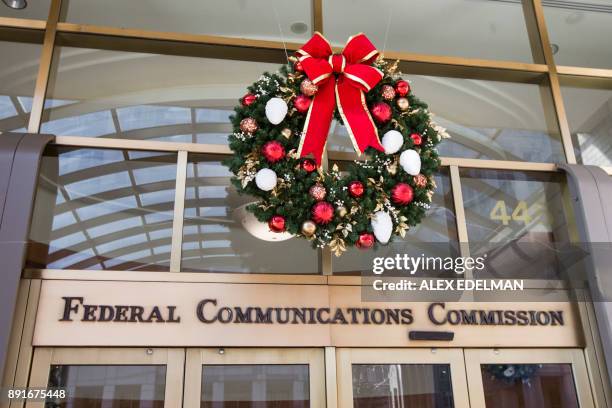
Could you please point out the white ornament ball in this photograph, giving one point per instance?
(392, 141)
(382, 226)
(276, 110)
(410, 162)
(265, 179)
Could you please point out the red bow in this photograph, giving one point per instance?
(354, 77)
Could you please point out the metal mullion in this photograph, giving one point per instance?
(44, 68)
(460, 219)
(232, 48)
(179, 212)
(11, 22)
(317, 16)
(555, 88)
(197, 188)
(196, 176)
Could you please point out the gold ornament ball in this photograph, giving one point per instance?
(403, 104)
(318, 192)
(341, 211)
(248, 125)
(286, 132)
(420, 180)
(309, 228)
(388, 93)
(308, 88)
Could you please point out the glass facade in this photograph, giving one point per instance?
(516, 218)
(108, 386)
(215, 235)
(233, 18)
(281, 386)
(589, 113)
(17, 81)
(399, 385)
(529, 385)
(478, 76)
(496, 30)
(103, 209)
(134, 97)
(572, 25)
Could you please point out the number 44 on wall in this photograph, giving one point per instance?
(520, 213)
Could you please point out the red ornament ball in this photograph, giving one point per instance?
(298, 66)
(273, 151)
(248, 99)
(420, 180)
(356, 188)
(322, 212)
(365, 240)
(302, 103)
(308, 88)
(402, 87)
(277, 223)
(417, 139)
(248, 125)
(381, 112)
(318, 192)
(308, 165)
(402, 194)
(388, 93)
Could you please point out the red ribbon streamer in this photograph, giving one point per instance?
(342, 80)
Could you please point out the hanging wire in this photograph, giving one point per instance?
(280, 29)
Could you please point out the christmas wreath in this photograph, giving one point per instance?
(280, 134)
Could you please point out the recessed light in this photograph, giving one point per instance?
(299, 28)
(16, 4)
(554, 48)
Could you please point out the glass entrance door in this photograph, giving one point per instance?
(254, 378)
(109, 377)
(528, 378)
(398, 378)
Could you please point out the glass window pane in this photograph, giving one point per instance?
(214, 238)
(517, 218)
(487, 119)
(89, 386)
(36, 9)
(17, 82)
(580, 31)
(234, 18)
(529, 385)
(463, 28)
(435, 236)
(278, 386)
(126, 95)
(589, 112)
(103, 209)
(402, 385)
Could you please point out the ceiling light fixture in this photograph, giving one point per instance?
(554, 48)
(299, 28)
(16, 4)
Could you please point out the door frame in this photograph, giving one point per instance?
(475, 357)
(345, 357)
(173, 359)
(196, 358)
